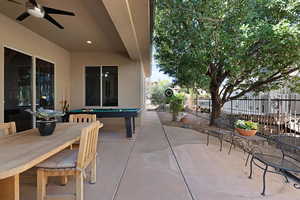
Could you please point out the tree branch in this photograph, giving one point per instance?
(272, 78)
(255, 47)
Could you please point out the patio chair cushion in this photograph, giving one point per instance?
(64, 159)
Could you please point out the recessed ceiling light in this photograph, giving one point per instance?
(89, 42)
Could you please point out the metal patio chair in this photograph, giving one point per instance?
(288, 162)
(226, 130)
(220, 133)
(253, 144)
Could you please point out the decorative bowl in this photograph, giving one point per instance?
(46, 127)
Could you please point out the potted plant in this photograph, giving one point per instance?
(246, 128)
(176, 104)
(46, 120)
(184, 118)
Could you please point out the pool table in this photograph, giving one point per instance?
(129, 114)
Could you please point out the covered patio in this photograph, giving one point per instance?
(96, 61)
(72, 55)
(164, 162)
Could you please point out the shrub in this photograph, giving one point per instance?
(157, 92)
(176, 104)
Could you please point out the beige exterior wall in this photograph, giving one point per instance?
(18, 37)
(129, 87)
(69, 67)
(131, 77)
(142, 89)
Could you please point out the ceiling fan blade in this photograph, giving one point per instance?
(16, 2)
(59, 12)
(23, 16)
(53, 21)
(33, 2)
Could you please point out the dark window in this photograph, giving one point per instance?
(92, 86)
(17, 88)
(109, 86)
(105, 86)
(44, 84)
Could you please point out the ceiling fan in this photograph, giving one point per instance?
(39, 11)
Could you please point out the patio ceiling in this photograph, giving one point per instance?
(112, 26)
(91, 22)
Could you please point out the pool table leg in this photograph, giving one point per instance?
(133, 123)
(128, 127)
(9, 188)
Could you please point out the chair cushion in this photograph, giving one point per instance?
(64, 159)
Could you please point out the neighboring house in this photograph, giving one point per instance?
(267, 103)
(281, 101)
(100, 59)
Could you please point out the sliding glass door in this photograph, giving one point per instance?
(109, 86)
(44, 84)
(101, 86)
(17, 88)
(92, 86)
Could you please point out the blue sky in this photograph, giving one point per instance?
(156, 74)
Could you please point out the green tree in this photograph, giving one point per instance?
(157, 92)
(228, 47)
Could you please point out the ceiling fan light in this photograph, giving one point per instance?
(89, 42)
(36, 12)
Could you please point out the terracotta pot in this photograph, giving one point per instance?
(184, 120)
(245, 132)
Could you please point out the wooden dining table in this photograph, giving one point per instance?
(24, 150)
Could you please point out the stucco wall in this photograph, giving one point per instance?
(129, 88)
(69, 67)
(16, 36)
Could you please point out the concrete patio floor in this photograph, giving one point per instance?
(168, 163)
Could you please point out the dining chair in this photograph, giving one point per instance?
(82, 118)
(71, 163)
(8, 128)
(78, 118)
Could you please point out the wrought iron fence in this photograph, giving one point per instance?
(275, 115)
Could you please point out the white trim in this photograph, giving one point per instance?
(101, 89)
(33, 90)
(83, 84)
(18, 50)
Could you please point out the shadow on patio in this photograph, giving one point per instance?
(148, 168)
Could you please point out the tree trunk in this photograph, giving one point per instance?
(174, 116)
(216, 105)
